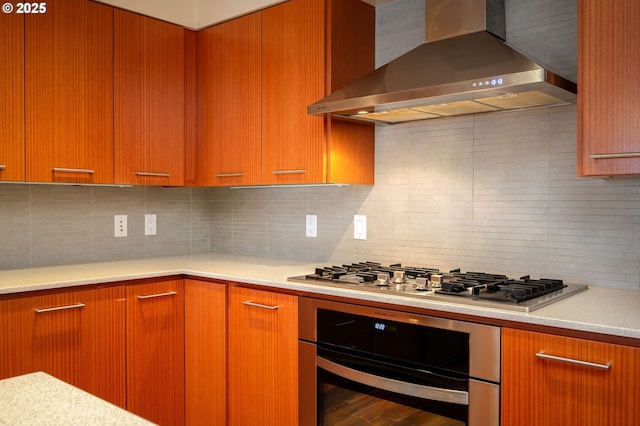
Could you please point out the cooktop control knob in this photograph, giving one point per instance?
(435, 280)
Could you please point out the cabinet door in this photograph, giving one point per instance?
(229, 102)
(263, 358)
(352, 52)
(69, 93)
(293, 76)
(76, 336)
(544, 392)
(155, 351)
(149, 95)
(609, 95)
(206, 352)
(12, 100)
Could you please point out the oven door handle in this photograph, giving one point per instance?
(392, 385)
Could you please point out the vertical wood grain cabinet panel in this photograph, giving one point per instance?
(69, 93)
(229, 107)
(564, 393)
(609, 95)
(206, 352)
(351, 53)
(263, 358)
(12, 99)
(155, 351)
(149, 96)
(293, 76)
(76, 336)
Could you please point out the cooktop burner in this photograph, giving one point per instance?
(477, 288)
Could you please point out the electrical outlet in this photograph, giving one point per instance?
(120, 225)
(150, 227)
(359, 227)
(312, 225)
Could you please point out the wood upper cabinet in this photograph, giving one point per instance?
(155, 351)
(205, 352)
(149, 96)
(12, 101)
(263, 358)
(228, 102)
(609, 95)
(310, 49)
(567, 393)
(76, 336)
(294, 146)
(257, 75)
(69, 93)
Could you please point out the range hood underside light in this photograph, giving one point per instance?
(502, 102)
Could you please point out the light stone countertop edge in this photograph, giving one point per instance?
(39, 398)
(601, 310)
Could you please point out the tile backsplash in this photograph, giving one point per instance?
(493, 192)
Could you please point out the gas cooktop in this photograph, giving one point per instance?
(474, 288)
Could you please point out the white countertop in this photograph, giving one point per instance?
(614, 312)
(41, 399)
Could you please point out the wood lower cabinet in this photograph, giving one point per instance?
(205, 352)
(149, 101)
(69, 93)
(549, 392)
(609, 95)
(155, 351)
(12, 148)
(263, 358)
(76, 336)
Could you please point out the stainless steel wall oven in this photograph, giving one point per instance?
(364, 365)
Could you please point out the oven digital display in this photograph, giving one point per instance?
(383, 326)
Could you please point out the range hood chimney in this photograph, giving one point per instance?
(465, 67)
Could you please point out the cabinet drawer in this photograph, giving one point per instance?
(553, 380)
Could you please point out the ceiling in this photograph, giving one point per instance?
(198, 14)
(193, 14)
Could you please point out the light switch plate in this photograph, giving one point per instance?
(150, 227)
(359, 227)
(312, 226)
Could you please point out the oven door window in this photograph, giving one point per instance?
(353, 390)
(345, 402)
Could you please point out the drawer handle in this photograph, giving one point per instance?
(543, 355)
(60, 308)
(66, 170)
(153, 174)
(259, 305)
(153, 296)
(2, 167)
(289, 172)
(229, 174)
(615, 155)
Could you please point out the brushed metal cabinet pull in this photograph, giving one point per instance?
(67, 170)
(153, 296)
(229, 174)
(259, 305)
(153, 174)
(60, 308)
(543, 355)
(615, 155)
(289, 172)
(2, 167)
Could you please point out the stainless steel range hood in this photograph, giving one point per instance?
(464, 67)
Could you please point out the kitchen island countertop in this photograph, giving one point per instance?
(602, 310)
(41, 399)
